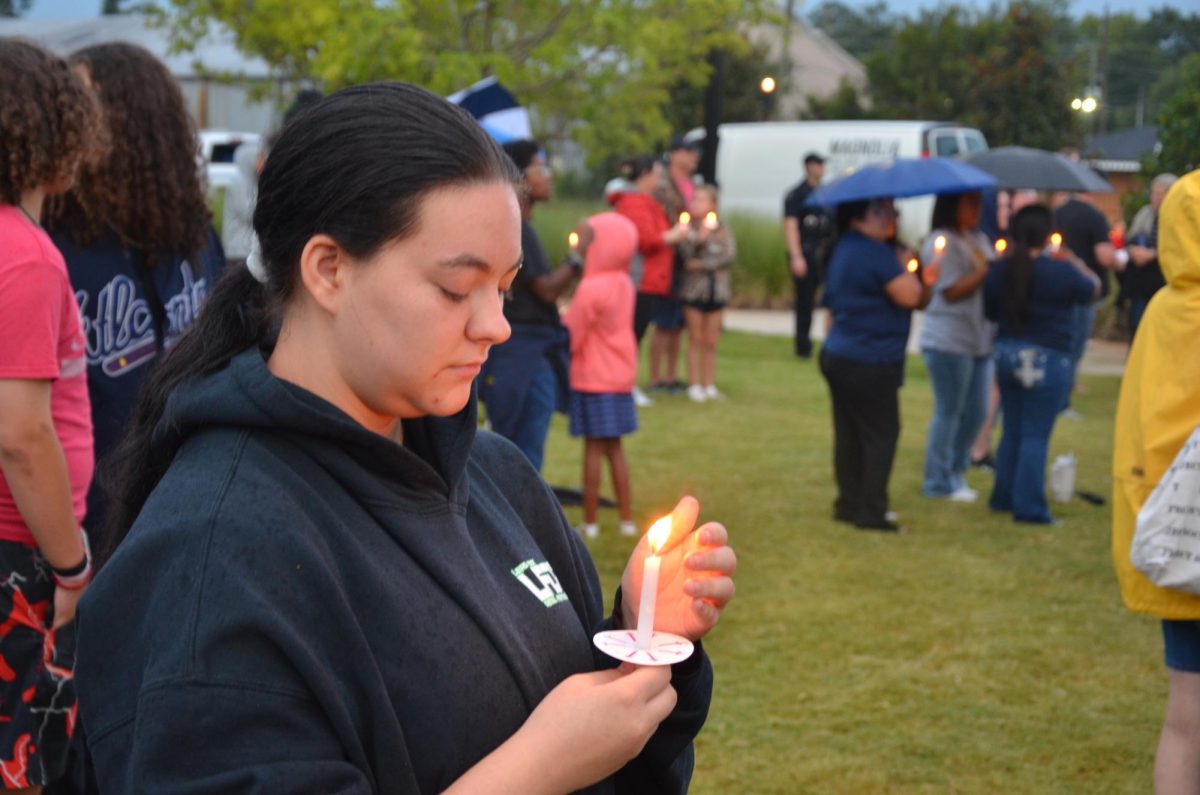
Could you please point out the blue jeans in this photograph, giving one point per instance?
(960, 397)
(1033, 382)
(1081, 332)
(534, 422)
(1137, 308)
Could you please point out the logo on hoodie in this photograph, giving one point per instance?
(540, 580)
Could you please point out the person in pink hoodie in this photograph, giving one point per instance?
(604, 361)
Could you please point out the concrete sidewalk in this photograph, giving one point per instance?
(1102, 357)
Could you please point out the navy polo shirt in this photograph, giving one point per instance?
(867, 326)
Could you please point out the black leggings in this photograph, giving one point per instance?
(866, 427)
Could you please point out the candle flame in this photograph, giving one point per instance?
(660, 531)
(1001, 246)
(913, 265)
(1056, 239)
(939, 243)
(685, 217)
(710, 220)
(573, 240)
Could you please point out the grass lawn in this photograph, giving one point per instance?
(970, 656)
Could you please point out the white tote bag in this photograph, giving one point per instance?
(1166, 546)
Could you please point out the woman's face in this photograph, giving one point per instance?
(880, 221)
(969, 210)
(647, 182)
(419, 316)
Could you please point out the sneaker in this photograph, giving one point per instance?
(589, 530)
(963, 494)
(711, 392)
(660, 387)
(892, 516)
(696, 393)
(677, 387)
(1070, 414)
(628, 529)
(640, 399)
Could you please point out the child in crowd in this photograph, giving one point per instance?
(604, 361)
(708, 253)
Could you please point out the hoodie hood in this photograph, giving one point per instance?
(613, 244)
(246, 396)
(1179, 234)
(615, 188)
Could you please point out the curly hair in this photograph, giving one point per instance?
(148, 189)
(46, 113)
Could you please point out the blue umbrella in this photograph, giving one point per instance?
(903, 177)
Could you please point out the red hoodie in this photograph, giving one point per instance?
(600, 318)
(658, 257)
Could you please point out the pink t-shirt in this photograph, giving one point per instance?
(687, 189)
(41, 338)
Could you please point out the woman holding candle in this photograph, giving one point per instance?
(708, 253)
(870, 294)
(329, 580)
(956, 343)
(658, 235)
(1032, 295)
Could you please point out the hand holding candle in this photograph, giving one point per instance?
(685, 218)
(710, 221)
(939, 248)
(1001, 247)
(1055, 243)
(573, 241)
(695, 582)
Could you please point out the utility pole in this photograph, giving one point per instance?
(713, 96)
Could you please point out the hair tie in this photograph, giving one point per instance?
(254, 262)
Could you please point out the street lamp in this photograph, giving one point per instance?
(767, 87)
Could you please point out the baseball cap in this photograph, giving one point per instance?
(813, 157)
(679, 142)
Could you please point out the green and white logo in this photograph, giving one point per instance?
(539, 578)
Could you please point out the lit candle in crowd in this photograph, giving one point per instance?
(1055, 242)
(660, 531)
(685, 217)
(1001, 246)
(939, 247)
(710, 220)
(573, 240)
(913, 265)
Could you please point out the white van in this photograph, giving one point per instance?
(759, 162)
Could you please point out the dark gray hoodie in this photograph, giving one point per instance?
(305, 606)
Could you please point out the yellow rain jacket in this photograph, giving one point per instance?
(1160, 395)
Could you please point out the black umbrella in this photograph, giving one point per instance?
(1021, 168)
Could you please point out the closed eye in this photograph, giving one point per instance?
(454, 298)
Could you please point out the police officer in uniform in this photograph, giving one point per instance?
(808, 232)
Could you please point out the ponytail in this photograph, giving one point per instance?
(234, 317)
(1029, 229)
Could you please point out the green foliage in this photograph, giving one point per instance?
(845, 103)
(859, 33)
(1179, 123)
(972, 656)
(745, 66)
(599, 70)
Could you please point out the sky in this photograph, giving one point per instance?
(48, 9)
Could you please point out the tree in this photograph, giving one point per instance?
(741, 100)
(858, 33)
(601, 70)
(1179, 123)
(109, 7)
(14, 8)
(845, 103)
(1017, 94)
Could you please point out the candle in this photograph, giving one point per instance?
(573, 240)
(939, 246)
(685, 217)
(1001, 246)
(913, 265)
(1055, 242)
(660, 531)
(710, 220)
